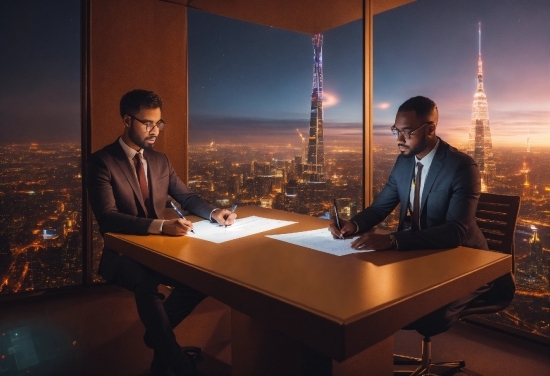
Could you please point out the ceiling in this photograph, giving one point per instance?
(304, 16)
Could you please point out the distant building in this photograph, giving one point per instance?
(536, 256)
(480, 146)
(314, 168)
(526, 171)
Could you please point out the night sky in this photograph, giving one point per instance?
(434, 52)
(252, 83)
(39, 70)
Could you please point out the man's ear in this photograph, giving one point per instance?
(432, 127)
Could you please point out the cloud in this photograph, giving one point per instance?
(382, 105)
(329, 99)
(207, 128)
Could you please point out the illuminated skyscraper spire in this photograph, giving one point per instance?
(480, 146)
(315, 168)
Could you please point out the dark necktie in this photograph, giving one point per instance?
(140, 171)
(416, 202)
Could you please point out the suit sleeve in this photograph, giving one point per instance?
(112, 199)
(381, 207)
(459, 205)
(189, 201)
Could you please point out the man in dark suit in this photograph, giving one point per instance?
(128, 185)
(439, 213)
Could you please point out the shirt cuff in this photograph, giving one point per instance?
(156, 226)
(212, 212)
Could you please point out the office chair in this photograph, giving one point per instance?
(496, 216)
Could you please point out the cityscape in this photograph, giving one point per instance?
(40, 216)
(41, 182)
(41, 208)
(264, 176)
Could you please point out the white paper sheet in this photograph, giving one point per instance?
(215, 233)
(320, 240)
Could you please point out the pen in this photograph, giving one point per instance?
(337, 219)
(179, 213)
(232, 210)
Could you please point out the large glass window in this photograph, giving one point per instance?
(275, 116)
(40, 155)
(434, 48)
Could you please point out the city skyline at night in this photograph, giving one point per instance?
(250, 101)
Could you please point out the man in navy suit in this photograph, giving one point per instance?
(449, 187)
(128, 186)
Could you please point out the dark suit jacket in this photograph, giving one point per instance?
(447, 218)
(116, 200)
(449, 201)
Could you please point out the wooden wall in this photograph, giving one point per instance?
(138, 44)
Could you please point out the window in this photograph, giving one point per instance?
(258, 133)
(40, 155)
(432, 48)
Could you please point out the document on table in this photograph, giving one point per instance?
(215, 233)
(320, 240)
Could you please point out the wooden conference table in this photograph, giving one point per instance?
(296, 311)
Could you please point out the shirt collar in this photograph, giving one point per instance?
(427, 160)
(130, 153)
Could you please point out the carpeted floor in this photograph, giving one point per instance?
(96, 331)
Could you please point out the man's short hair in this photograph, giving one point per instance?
(423, 106)
(135, 100)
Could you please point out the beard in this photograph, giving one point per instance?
(138, 141)
(418, 148)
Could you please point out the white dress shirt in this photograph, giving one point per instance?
(426, 163)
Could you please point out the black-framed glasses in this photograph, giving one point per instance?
(406, 133)
(149, 125)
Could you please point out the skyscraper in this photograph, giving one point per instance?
(526, 171)
(536, 256)
(314, 171)
(480, 146)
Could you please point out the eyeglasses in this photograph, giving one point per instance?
(406, 133)
(149, 125)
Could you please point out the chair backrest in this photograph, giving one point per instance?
(496, 216)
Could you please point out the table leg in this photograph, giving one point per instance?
(258, 350)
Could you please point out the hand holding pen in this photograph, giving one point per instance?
(227, 216)
(337, 219)
(179, 213)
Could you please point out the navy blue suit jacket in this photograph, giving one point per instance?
(450, 195)
(447, 217)
(116, 200)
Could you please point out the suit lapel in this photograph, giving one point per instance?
(128, 170)
(435, 168)
(408, 176)
(153, 176)
(404, 193)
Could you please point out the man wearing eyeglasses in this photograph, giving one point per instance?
(438, 188)
(128, 185)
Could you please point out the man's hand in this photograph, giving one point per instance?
(224, 217)
(348, 228)
(372, 240)
(177, 227)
